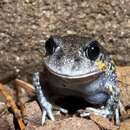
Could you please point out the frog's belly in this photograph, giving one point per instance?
(97, 98)
(90, 90)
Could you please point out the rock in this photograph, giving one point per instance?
(4, 125)
(33, 119)
(32, 113)
(124, 83)
(103, 122)
(73, 123)
(8, 119)
(125, 125)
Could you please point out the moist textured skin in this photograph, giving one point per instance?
(78, 67)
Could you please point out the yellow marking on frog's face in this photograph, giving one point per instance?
(101, 65)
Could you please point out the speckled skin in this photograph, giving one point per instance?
(96, 87)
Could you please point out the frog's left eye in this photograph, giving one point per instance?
(92, 51)
(51, 44)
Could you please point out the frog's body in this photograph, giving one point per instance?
(79, 67)
(89, 89)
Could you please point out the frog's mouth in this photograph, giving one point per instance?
(92, 74)
(70, 70)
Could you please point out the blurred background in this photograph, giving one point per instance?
(26, 24)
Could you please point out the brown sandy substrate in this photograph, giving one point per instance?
(25, 24)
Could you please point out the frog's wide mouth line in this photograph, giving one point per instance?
(89, 74)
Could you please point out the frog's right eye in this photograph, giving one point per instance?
(51, 44)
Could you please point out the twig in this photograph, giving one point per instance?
(12, 103)
(28, 87)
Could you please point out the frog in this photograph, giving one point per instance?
(78, 66)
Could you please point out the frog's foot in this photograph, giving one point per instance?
(102, 112)
(47, 112)
(90, 110)
(46, 107)
(60, 109)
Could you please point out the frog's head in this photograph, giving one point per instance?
(73, 56)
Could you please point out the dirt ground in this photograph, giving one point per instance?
(26, 24)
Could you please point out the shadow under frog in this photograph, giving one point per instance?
(77, 67)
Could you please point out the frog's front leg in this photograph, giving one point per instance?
(44, 104)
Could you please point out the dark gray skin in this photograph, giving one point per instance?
(71, 68)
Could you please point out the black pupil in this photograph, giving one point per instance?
(92, 51)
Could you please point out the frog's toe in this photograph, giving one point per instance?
(65, 111)
(117, 117)
(50, 114)
(60, 109)
(90, 110)
(45, 114)
(85, 114)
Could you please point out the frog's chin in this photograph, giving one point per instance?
(76, 76)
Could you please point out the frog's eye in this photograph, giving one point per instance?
(92, 50)
(51, 45)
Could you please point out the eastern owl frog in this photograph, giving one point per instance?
(76, 66)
